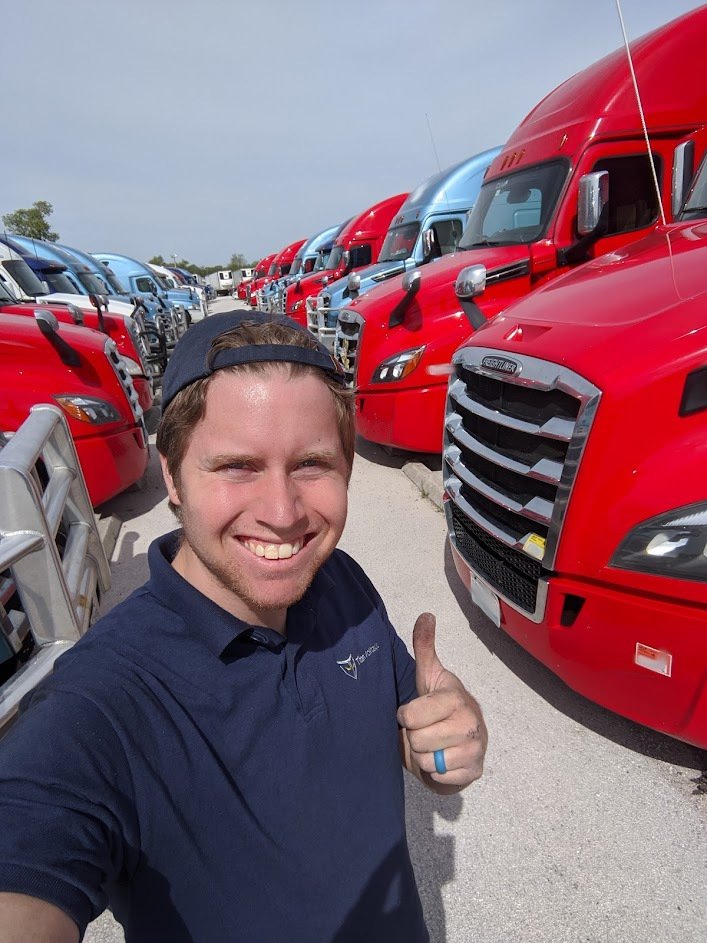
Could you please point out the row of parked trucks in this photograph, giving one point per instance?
(91, 333)
(84, 340)
(537, 315)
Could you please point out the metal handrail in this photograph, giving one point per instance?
(51, 548)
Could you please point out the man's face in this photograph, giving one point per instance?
(262, 492)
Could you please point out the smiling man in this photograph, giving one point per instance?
(220, 757)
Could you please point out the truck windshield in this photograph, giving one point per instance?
(94, 284)
(6, 296)
(515, 209)
(696, 202)
(320, 262)
(58, 281)
(399, 243)
(116, 285)
(334, 260)
(297, 265)
(25, 277)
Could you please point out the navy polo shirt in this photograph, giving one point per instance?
(213, 781)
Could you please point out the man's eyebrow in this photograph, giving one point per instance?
(229, 458)
(243, 458)
(329, 455)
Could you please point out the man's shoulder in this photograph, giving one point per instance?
(119, 640)
(341, 565)
(347, 578)
(131, 618)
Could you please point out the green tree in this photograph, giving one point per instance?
(32, 222)
(238, 261)
(156, 260)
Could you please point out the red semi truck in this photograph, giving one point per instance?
(259, 275)
(81, 371)
(575, 469)
(120, 328)
(278, 268)
(582, 146)
(357, 245)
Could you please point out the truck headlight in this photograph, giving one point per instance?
(397, 367)
(88, 409)
(672, 544)
(132, 366)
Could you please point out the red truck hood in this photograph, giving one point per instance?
(438, 275)
(640, 305)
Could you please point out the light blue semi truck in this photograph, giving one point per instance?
(427, 227)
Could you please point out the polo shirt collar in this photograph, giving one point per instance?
(217, 627)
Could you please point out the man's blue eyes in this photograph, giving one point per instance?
(244, 466)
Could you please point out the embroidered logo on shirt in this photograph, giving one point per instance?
(350, 665)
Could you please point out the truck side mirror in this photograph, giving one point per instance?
(428, 244)
(99, 302)
(592, 198)
(683, 169)
(47, 321)
(411, 286)
(76, 314)
(346, 260)
(411, 282)
(48, 324)
(471, 281)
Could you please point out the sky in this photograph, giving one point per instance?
(200, 130)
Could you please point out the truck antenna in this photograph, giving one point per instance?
(432, 139)
(434, 148)
(640, 111)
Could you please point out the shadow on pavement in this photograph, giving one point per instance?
(395, 458)
(553, 690)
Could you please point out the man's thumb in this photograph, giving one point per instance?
(423, 643)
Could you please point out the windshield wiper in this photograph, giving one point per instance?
(481, 242)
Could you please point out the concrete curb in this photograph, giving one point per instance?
(108, 530)
(429, 482)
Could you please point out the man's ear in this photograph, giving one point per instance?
(172, 492)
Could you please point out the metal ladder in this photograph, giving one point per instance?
(53, 568)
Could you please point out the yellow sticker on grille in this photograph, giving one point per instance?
(534, 546)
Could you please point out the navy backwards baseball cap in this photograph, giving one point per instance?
(192, 358)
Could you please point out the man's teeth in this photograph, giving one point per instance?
(274, 551)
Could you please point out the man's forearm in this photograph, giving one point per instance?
(25, 919)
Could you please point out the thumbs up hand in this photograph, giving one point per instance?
(443, 728)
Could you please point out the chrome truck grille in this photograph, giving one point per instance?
(168, 329)
(281, 306)
(180, 319)
(118, 364)
(515, 430)
(321, 319)
(152, 345)
(347, 336)
(135, 326)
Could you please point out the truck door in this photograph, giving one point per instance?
(633, 208)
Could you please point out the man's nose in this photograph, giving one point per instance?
(280, 505)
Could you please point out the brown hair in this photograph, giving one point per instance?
(188, 406)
